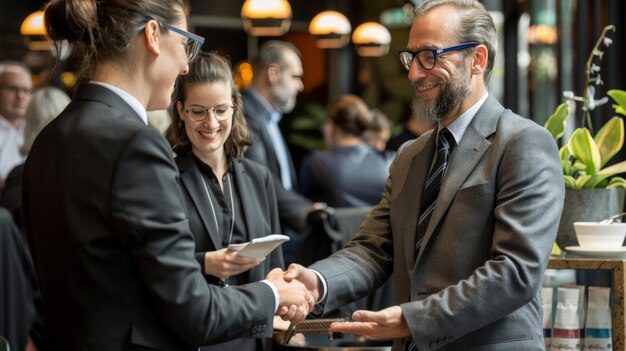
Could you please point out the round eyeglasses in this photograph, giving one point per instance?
(17, 90)
(427, 58)
(200, 113)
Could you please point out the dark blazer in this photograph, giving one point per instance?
(111, 240)
(11, 195)
(474, 284)
(257, 197)
(18, 313)
(292, 206)
(345, 176)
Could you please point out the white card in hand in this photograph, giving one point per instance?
(259, 248)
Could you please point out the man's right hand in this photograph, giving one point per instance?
(295, 300)
(296, 272)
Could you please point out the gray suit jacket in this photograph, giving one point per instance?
(474, 283)
(111, 241)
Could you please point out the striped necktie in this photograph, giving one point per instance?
(433, 183)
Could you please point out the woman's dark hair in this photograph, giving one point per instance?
(99, 30)
(350, 114)
(208, 68)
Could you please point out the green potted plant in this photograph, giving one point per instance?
(594, 190)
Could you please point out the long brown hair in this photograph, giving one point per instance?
(208, 68)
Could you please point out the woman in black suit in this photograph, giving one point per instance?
(104, 212)
(229, 199)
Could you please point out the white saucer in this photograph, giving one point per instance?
(605, 252)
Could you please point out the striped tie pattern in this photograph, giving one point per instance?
(409, 345)
(433, 183)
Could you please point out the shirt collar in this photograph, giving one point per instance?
(459, 125)
(5, 124)
(271, 114)
(129, 99)
(206, 169)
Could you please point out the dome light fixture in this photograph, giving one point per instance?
(371, 39)
(33, 30)
(331, 29)
(266, 17)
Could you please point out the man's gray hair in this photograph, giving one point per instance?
(12, 65)
(272, 52)
(476, 25)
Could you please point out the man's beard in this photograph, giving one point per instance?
(432, 111)
(281, 99)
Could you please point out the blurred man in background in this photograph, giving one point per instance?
(275, 86)
(15, 89)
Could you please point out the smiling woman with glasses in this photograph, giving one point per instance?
(230, 199)
(103, 207)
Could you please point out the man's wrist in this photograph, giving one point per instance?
(322, 287)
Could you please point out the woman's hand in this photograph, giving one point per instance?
(225, 263)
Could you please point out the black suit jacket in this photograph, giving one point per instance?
(11, 195)
(292, 206)
(111, 240)
(257, 197)
(18, 312)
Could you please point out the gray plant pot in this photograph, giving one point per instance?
(587, 205)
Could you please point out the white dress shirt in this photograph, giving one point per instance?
(11, 141)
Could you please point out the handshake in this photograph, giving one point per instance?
(298, 290)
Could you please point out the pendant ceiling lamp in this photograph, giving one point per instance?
(331, 29)
(266, 17)
(33, 31)
(371, 39)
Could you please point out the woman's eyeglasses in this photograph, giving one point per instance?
(194, 41)
(427, 58)
(199, 113)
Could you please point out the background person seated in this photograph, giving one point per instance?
(349, 173)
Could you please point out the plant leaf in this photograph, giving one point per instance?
(556, 123)
(564, 153)
(617, 182)
(581, 182)
(606, 173)
(579, 167)
(570, 182)
(614, 169)
(619, 96)
(566, 163)
(610, 139)
(584, 148)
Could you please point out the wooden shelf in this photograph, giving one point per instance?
(617, 269)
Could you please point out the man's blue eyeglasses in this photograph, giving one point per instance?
(427, 58)
(194, 41)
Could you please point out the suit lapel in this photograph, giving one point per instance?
(465, 159)
(246, 190)
(409, 198)
(190, 178)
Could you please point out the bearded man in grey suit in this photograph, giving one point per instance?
(470, 279)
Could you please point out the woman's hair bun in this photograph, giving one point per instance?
(70, 19)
